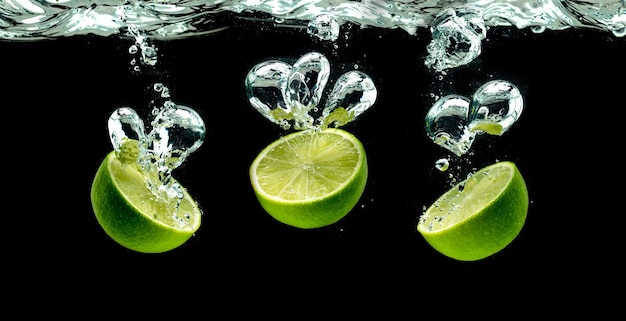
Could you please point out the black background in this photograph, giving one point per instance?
(58, 94)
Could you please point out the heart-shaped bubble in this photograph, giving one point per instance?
(291, 95)
(305, 86)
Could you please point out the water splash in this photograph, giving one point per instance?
(324, 27)
(290, 95)
(453, 121)
(457, 27)
(27, 19)
(175, 132)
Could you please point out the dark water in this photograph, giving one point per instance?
(58, 94)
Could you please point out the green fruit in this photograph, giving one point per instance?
(130, 214)
(479, 216)
(310, 179)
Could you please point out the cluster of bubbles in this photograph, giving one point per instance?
(324, 27)
(148, 54)
(457, 37)
(290, 95)
(454, 120)
(175, 132)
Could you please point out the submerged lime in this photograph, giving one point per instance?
(310, 179)
(128, 212)
(479, 216)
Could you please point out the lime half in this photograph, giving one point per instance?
(479, 216)
(310, 179)
(129, 213)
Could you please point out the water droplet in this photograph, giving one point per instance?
(495, 106)
(446, 124)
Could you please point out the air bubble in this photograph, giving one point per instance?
(442, 164)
